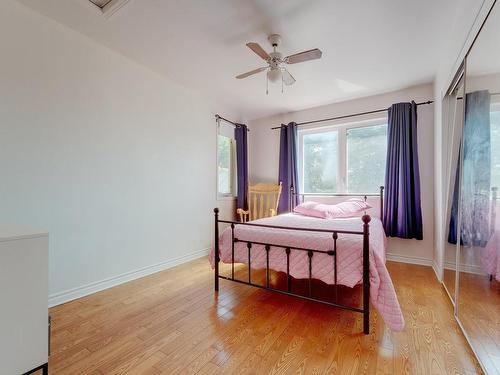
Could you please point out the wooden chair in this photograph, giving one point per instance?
(262, 202)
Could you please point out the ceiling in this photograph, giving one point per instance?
(484, 56)
(369, 46)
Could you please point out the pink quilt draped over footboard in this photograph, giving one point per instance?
(349, 258)
(490, 256)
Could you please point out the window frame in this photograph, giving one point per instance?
(341, 128)
(233, 194)
(494, 108)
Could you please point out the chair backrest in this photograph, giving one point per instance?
(263, 200)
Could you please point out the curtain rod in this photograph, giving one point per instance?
(347, 116)
(218, 117)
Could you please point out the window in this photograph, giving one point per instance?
(346, 158)
(366, 154)
(495, 146)
(226, 160)
(320, 162)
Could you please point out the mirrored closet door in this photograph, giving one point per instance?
(478, 285)
(453, 110)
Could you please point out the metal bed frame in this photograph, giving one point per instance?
(365, 309)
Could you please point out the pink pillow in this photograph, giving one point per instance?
(350, 208)
(311, 208)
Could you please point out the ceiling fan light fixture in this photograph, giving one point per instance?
(276, 64)
(274, 74)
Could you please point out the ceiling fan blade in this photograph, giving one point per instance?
(312, 54)
(251, 72)
(287, 78)
(258, 50)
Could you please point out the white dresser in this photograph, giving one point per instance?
(23, 300)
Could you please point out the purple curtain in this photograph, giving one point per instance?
(403, 213)
(452, 233)
(240, 134)
(288, 175)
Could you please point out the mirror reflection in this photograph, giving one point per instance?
(453, 107)
(479, 254)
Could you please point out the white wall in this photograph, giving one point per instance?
(112, 158)
(117, 163)
(461, 35)
(264, 153)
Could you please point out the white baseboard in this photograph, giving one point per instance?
(415, 260)
(85, 290)
(466, 268)
(409, 259)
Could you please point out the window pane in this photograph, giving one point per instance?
(495, 149)
(366, 154)
(320, 162)
(224, 164)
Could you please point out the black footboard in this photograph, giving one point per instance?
(365, 310)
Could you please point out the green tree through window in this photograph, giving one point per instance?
(366, 155)
(224, 164)
(320, 162)
(345, 159)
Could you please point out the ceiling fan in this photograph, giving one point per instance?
(276, 69)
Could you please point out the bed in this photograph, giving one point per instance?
(490, 256)
(346, 252)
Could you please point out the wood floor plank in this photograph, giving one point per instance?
(173, 323)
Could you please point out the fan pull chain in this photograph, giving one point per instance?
(282, 83)
(267, 85)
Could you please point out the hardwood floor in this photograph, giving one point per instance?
(449, 274)
(449, 281)
(171, 322)
(479, 312)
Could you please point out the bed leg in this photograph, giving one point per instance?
(366, 274)
(216, 248)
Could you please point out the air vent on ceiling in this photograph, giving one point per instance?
(108, 7)
(100, 3)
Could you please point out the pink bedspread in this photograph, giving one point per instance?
(349, 258)
(490, 256)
